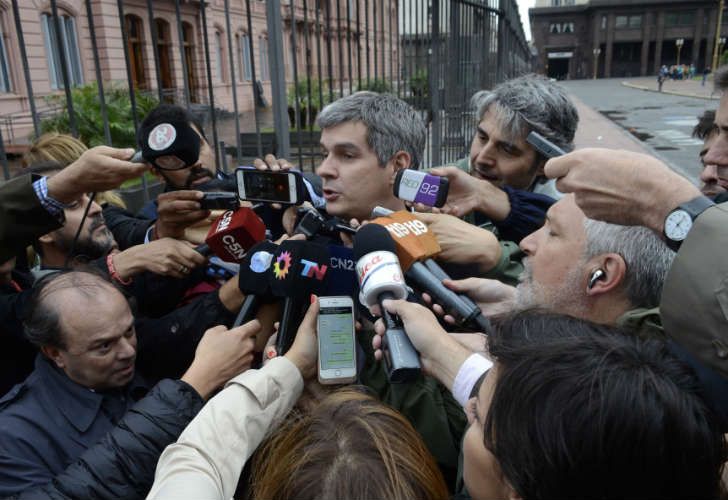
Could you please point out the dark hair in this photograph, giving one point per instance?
(41, 317)
(169, 113)
(584, 411)
(720, 78)
(349, 446)
(706, 125)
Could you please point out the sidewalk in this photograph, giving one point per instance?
(597, 131)
(687, 88)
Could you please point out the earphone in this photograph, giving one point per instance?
(595, 276)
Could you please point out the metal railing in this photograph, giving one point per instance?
(434, 54)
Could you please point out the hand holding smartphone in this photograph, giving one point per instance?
(336, 343)
(285, 187)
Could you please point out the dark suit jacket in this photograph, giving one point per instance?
(694, 305)
(22, 217)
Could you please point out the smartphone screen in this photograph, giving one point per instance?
(336, 338)
(261, 185)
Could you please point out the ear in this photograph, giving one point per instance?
(54, 354)
(615, 270)
(400, 160)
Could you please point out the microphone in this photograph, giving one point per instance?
(170, 145)
(253, 279)
(299, 269)
(232, 234)
(380, 278)
(416, 244)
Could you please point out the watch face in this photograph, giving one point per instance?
(677, 225)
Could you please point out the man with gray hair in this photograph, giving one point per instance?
(366, 138)
(509, 193)
(574, 265)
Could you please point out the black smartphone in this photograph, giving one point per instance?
(219, 200)
(544, 146)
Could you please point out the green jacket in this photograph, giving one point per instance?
(427, 404)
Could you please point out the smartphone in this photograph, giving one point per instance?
(544, 146)
(421, 187)
(336, 344)
(219, 200)
(270, 187)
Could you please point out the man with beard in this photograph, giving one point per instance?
(501, 182)
(149, 274)
(713, 177)
(605, 273)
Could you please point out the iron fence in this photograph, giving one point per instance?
(434, 54)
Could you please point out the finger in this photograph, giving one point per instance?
(183, 194)
(557, 167)
(377, 342)
(216, 329)
(272, 163)
(175, 206)
(298, 237)
(309, 320)
(427, 299)
(247, 330)
(375, 310)
(260, 164)
(379, 327)
(449, 319)
(465, 285)
(425, 217)
(437, 309)
(378, 355)
(358, 326)
(118, 153)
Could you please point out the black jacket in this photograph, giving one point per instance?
(122, 464)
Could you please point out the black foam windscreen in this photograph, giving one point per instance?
(299, 269)
(281, 275)
(169, 139)
(372, 238)
(256, 267)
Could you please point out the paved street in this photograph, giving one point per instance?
(663, 122)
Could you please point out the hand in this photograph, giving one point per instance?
(304, 351)
(99, 169)
(441, 355)
(463, 243)
(491, 296)
(621, 187)
(168, 257)
(221, 355)
(467, 194)
(176, 211)
(273, 164)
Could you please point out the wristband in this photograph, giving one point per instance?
(113, 272)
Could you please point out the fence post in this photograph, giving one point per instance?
(434, 83)
(278, 76)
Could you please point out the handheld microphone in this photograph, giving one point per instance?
(253, 279)
(232, 234)
(299, 269)
(416, 244)
(171, 145)
(380, 278)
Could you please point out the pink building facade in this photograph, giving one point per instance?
(349, 43)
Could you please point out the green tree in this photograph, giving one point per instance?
(87, 108)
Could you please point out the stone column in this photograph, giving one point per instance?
(658, 40)
(608, 51)
(697, 37)
(646, 24)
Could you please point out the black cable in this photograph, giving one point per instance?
(91, 198)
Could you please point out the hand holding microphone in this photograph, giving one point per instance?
(380, 278)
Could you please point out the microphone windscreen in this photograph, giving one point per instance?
(372, 238)
(255, 267)
(425, 236)
(159, 139)
(234, 232)
(300, 268)
(341, 274)
(407, 246)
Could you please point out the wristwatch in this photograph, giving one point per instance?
(679, 222)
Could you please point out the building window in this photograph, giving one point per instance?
(263, 47)
(621, 22)
(635, 21)
(135, 47)
(189, 49)
(69, 45)
(604, 22)
(163, 50)
(680, 18)
(555, 3)
(245, 70)
(555, 28)
(218, 56)
(5, 85)
(567, 28)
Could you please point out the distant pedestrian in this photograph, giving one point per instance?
(706, 71)
(660, 81)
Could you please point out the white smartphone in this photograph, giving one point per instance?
(336, 343)
(269, 187)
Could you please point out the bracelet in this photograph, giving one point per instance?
(113, 272)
